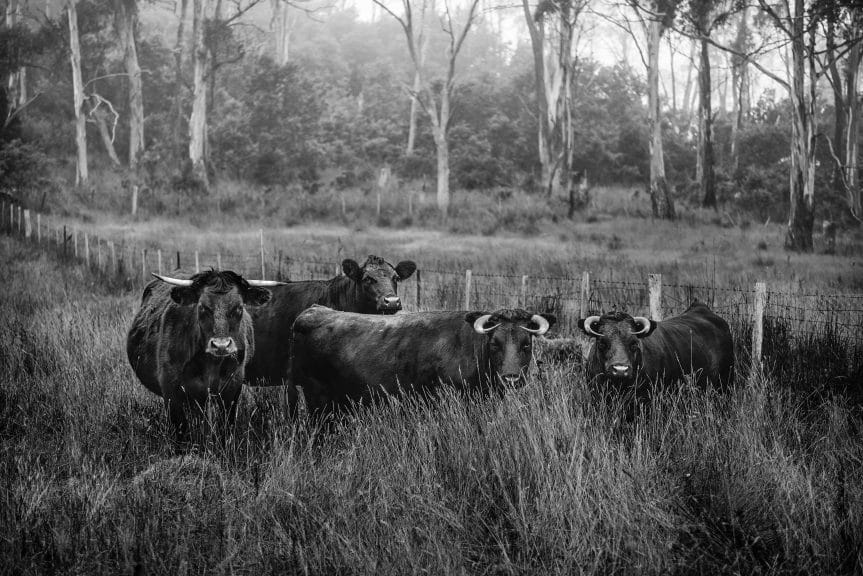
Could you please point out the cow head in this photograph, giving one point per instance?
(220, 298)
(509, 337)
(618, 342)
(376, 282)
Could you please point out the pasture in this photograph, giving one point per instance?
(765, 479)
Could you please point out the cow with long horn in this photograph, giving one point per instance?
(340, 357)
(191, 339)
(633, 354)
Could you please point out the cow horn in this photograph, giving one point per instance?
(266, 283)
(588, 325)
(479, 324)
(172, 281)
(539, 321)
(644, 322)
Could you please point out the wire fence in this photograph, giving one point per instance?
(801, 316)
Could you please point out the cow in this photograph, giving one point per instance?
(192, 338)
(342, 357)
(368, 289)
(633, 354)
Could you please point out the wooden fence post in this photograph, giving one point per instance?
(758, 327)
(197, 263)
(159, 260)
(419, 289)
(75, 237)
(38, 228)
(86, 250)
(263, 273)
(583, 307)
(65, 240)
(378, 212)
(410, 203)
(20, 222)
(28, 228)
(113, 258)
(654, 284)
(11, 218)
(98, 253)
(524, 291)
(134, 199)
(144, 265)
(178, 259)
(218, 260)
(467, 282)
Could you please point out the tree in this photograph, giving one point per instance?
(552, 28)
(848, 17)
(81, 171)
(198, 119)
(656, 17)
(703, 17)
(125, 21)
(740, 83)
(437, 100)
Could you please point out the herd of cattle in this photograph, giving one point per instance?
(340, 341)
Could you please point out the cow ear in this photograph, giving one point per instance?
(256, 296)
(405, 269)
(351, 269)
(184, 295)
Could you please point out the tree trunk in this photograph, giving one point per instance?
(412, 125)
(544, 113)
(198, 119)
(687, 87)
(81, 171)
(705, 131)
(660, 196)
(105, 135)
(852, 108)
(126, 17)
(179, 49)
(802, 178)
(442, 149)
(281, 31)
(740, 85)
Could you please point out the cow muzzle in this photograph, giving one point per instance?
(389, 304)
(221, 347)
(511, 379)
(619, 371)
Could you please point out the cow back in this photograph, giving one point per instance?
(340, 357)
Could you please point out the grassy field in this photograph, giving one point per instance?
(765, 479)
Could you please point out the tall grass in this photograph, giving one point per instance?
(759, 480)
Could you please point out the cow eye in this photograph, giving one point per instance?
(368, 279)
(237, 311)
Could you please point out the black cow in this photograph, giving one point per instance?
(630, 354)
(339, 357)
(191, 339)
(367, 289)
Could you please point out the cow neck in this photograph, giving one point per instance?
(343, 294)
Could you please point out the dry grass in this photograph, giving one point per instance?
(761, 480)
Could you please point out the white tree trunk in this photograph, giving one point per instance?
(412, 121)
(660, 198)
(198, 119)
(126, 17)
(81, 171)
(802, 176)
